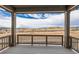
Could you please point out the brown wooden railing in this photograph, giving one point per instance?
(4, 42)
(75, 43)
(40, 39)
(32, 39)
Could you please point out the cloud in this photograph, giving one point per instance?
(74, 18)
(5, 19)
(50, 21)
(5, 23)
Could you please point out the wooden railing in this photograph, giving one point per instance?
(4, 42)
(40, 39)
(75, 43)
(32, 39)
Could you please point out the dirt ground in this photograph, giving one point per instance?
(72, 33)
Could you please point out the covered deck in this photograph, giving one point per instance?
(39, 44)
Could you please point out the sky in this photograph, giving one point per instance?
(39, 2)
(41, 20)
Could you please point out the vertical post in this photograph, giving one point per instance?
(13, 30)
(67, 29)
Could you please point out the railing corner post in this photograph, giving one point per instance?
(10, 41)
(70, 42)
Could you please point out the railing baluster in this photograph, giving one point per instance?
(17, 39)
(0, 43)
(7, 41)
(77, 45)
(4, 42)
(32, 40)
(62, 40)
(46, 39)
(22, 40)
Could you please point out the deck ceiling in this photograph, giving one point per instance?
(37, 8)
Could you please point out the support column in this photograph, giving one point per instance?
(67, 30)
(13, 30)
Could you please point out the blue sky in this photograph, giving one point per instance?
(40, 20)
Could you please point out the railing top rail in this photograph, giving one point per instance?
(36, 35)
(74, 38)
(5, 36)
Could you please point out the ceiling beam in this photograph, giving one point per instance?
(40, 9)
(7, 7)
(37, 12)
(71, 7)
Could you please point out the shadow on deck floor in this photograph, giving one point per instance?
(26, 49)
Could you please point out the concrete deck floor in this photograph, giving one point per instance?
(26, 49)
